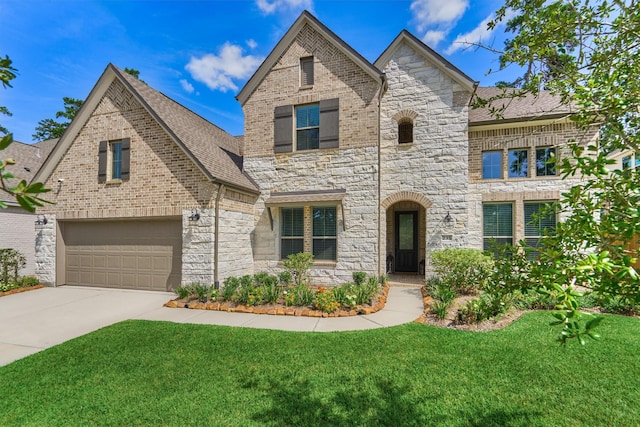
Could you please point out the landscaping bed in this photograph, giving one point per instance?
(17, 290)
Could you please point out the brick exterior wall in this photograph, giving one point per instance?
(17, 232)
(518, 190)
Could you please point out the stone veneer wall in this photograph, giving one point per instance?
(45, 253)
(518, 190)
(198, 247)
(434, 166)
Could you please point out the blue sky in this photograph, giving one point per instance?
(201, 52)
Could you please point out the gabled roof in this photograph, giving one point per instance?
(434, 57)
(305, 18)
(215, 152)
(29, 158)
(544, 105)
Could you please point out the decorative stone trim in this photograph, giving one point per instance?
(406, 195)
(405, 114)
(281, 311)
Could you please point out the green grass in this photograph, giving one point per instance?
(155, 373)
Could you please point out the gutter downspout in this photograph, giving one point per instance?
(383, 89)
(216, 237)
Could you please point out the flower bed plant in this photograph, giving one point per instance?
(11, 262)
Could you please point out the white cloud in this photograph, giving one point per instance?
(188, 87)
(271, 6)
(437, 12)
(433, 37)
(252, 44)
(219, 71)
(478, 35)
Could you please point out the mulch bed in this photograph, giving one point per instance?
(18, 290)
(282, 310)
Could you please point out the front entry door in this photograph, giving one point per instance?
(406, 242)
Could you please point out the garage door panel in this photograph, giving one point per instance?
(123, 254)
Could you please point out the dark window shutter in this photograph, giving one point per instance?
(329, 123)
(126, 159)
(102, 161)
(283, 129)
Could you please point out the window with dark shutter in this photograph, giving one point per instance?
(102, 161)
(405, 131)
(306, 71)
(125, 159)
(329, 123)
(283, 129)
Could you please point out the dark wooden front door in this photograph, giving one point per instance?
(406, 229)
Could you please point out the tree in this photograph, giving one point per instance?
(50, 128)
(587, 54)
(26, 194)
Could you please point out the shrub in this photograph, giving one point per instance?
(271, 290)
(29, 281)
(230, 286)
(464, 270)
(248, 292)
(212, 294)
(11, 262)
(482, 308)
(532, 300)
(325, 300)
(440, 291)
(384, 279)
(183, 291)
(298, 266)
(618, 305)
(284, 277)
(440, 309)
(345, 296)
(201, 292)
(303, 295)
(359, 277)
(366, 291)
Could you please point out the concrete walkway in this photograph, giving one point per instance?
(34, 320)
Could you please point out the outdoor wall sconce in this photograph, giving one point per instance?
(194, 215)
(448, 218)
(41, 220)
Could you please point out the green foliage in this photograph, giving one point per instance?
(440, 291)
(272, 291)
(229, 288)
(482, 308)
(28, 281)
(345, 295)
(325, 300)
(464, 270)
(7, 73)
(183, 291)
(359, 277)
(303, 295)
(284, 277)
(11, 262)
(383, 279)
(201, 292)
(440, 309)
(366, 291)
(50, 128)
(298, 266)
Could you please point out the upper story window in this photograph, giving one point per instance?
(545, 161)
(307, 127)
(518, 163)
(306, 71)
(312, 126)
(491, 164)
(405, 131)
(632, 160)
(114, 160)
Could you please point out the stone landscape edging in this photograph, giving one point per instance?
(281, 311)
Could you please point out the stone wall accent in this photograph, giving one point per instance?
(435, 164)
(198, 247)
(17, 232)
(335, 76)
(163, 180)
(45, 251)
(235, 256)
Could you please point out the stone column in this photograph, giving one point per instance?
(45, 256)
(198, 247)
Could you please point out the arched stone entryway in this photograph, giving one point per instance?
(404, 219)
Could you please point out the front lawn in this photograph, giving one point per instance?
(156, 373)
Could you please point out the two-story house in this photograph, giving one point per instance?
(368, 166)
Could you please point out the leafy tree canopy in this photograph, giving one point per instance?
(587, 53)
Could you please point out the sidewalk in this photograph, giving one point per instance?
(35, 320)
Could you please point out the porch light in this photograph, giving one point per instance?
(41, 220)
(448, 218)
(194, 215)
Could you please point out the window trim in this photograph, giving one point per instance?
(546, 165)
(308, 237)
(307, 72)
(297, 129)
(525, 162)
(485, 238)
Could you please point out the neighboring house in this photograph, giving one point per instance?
(17, 226)
(368, 166)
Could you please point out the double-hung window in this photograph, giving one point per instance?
(307, 127)
(545, 161)
(497, 223)
(116, 160)
(518, 163)
(537, 222)
(292, 238)
(324, 233)
(492, 164)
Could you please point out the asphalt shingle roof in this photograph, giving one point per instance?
(216, 151)
(28, 157)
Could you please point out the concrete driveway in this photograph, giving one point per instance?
(34, 320)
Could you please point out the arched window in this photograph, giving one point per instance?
(405, 131)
